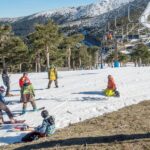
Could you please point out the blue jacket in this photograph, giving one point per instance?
(2, 98)
(6, 79)
(47, 127)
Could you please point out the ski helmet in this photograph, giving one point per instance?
(2, 89)
(44, 113)
(25, 74)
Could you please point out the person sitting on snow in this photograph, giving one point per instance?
(28, 96)
(46, 129)
(52, 75)
(111, 87)
(3, 107)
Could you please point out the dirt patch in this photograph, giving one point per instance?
(126, 129)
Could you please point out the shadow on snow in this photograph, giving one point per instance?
(86, 140)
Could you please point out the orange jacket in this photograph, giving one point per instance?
(22, 81)
(111, 84)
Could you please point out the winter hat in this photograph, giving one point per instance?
(52, 66)
(25, 73)
(44, 113)
(2, 89)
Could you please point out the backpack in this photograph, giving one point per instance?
(51, 120)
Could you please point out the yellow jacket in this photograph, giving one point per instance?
(53, 74)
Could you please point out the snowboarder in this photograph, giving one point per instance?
(46, 129)
(111, 87)
(3, 107)
(28, 96)
(52, 75)
(21, 83)
(6, 81)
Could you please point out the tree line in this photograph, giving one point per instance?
(139, 55)
(46, 45)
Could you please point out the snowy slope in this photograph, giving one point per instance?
(91, 10)
(145, 16)
(75, 13)
(79, 96)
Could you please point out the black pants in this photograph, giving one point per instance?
(3, 107)
(50, 82)
(8, 89)
(32, 136)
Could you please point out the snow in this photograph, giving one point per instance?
(145, 16)
(91, 10)
(78, 96)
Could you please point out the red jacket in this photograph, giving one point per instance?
(23, 80)
(111, 84)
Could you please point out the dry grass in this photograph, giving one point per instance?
(126, 129)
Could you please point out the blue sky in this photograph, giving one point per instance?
(16, 8)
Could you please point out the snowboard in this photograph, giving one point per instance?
(11, 95)
(16, 122)
(29, 111)
(38, 109)
(22, 128)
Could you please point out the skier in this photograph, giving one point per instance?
(28, 96)
(21, 83)
(46, 129)
(6, 81)
(111, 87)
(52, 75)
(3, 107)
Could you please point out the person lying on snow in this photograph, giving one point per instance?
(111, 88)
(28, 96)
(3, 107)
(46, 129)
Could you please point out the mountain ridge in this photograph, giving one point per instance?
(25, 25)
(90, 10)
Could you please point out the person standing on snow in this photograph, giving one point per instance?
(6, 81)
(111, 87)
(52, 75)
(21, 83)
(28, 96)
(46, 129)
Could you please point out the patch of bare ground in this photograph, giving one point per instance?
(125, 129)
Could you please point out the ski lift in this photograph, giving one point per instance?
(129, 11)
(109, 36)
(133, 36)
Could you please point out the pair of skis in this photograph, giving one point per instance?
(28, 111)
(19, 125)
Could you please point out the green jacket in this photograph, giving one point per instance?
(28, 90)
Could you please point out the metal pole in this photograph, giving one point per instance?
(116, 50)
(101, 54)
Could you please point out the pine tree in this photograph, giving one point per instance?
(70, 43)
(45, 39)
(12, 48)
